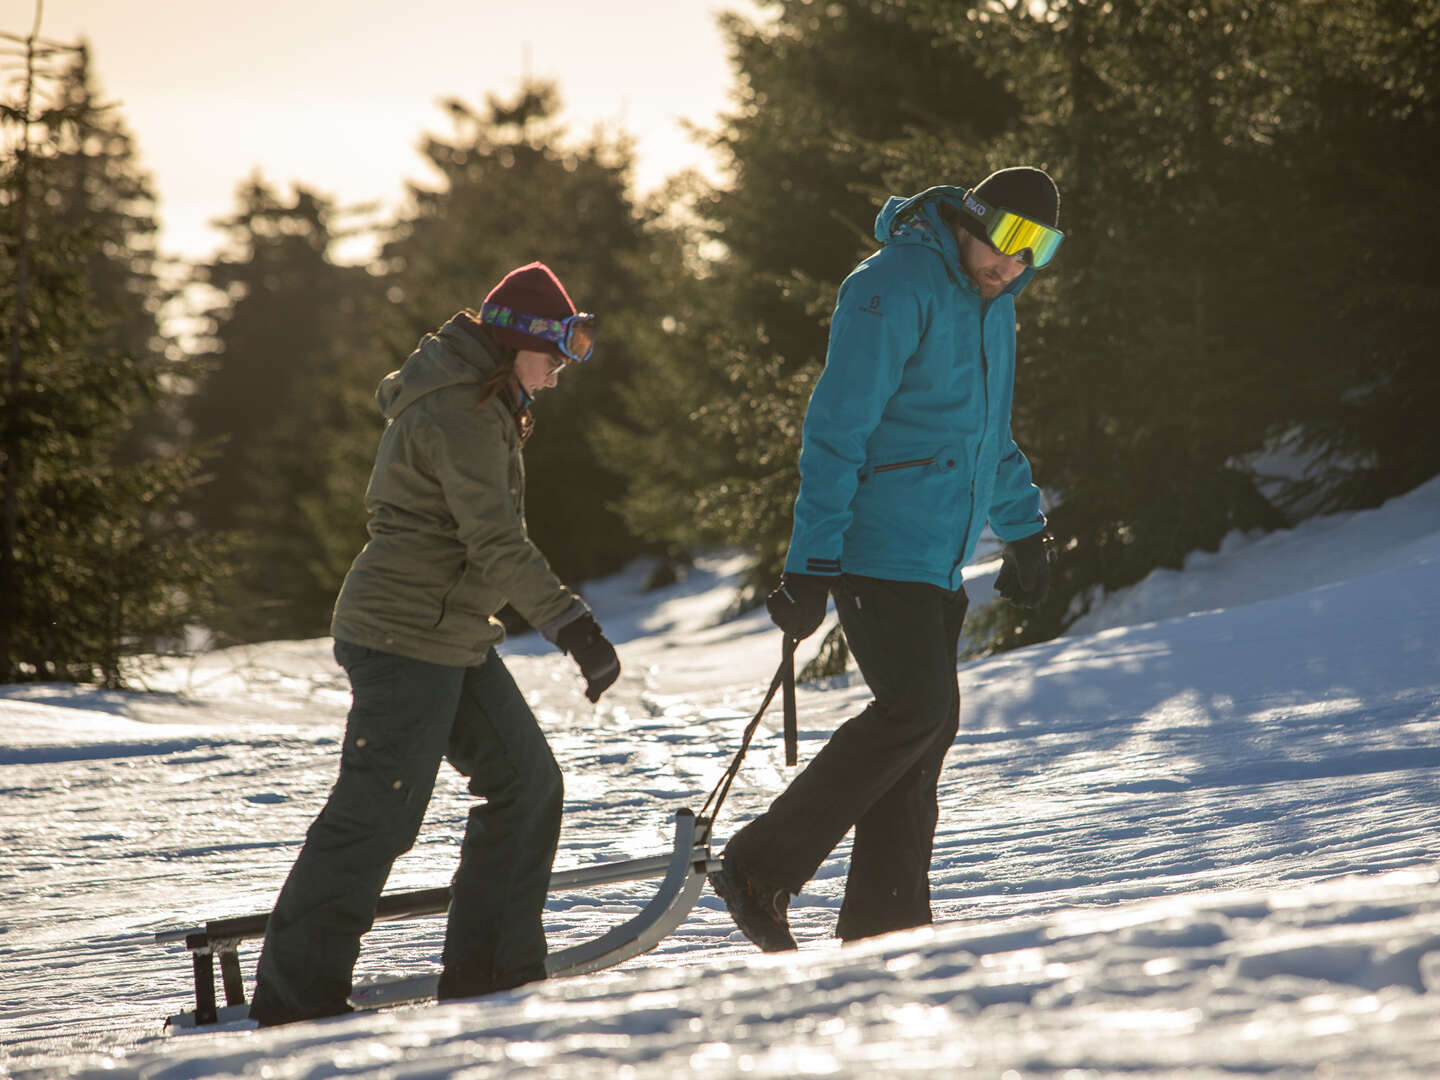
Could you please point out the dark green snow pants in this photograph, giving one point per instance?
(408, 714)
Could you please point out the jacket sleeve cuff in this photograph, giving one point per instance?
(551, 630)
(1010, 533)
(819, 566)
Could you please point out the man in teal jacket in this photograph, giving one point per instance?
(906, 456)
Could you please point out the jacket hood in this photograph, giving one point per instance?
(916, 220)
(451, 356)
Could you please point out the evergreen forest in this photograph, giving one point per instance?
(1239, 332)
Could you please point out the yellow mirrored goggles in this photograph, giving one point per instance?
(1012, 234)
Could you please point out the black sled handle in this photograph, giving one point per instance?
(792, 722)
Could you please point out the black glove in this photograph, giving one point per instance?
(586, 644)
(1024, 579)
(798, 605)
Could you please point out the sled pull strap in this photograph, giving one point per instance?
(792, 723)
(711, 810)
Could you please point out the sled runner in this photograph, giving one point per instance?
(682, 872)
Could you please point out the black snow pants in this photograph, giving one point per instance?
(879, 772)
(407, 715)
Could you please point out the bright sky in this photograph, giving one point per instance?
(335, 94)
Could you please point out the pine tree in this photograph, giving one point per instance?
(97, 563)
(1357, 248)
(292, 341)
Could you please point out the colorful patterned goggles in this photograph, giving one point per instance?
(574, 335)
(1011, 234)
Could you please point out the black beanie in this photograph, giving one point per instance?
(532, 289)
(1027, 191)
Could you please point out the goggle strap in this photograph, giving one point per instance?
(557, 331)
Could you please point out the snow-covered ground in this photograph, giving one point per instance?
(1195, 837)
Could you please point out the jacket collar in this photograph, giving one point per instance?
(917, 220)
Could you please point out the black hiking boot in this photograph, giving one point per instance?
(759, 910)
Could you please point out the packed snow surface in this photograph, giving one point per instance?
(1196, 836)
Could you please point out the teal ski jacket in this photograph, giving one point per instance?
(906, 449)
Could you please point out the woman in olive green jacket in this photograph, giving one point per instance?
(415, 630)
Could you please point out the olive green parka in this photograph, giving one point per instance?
(448, 546)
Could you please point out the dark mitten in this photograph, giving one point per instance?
(1024, 578)
(798, 605)
(586, 644)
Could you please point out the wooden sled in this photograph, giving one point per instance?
(682, 871)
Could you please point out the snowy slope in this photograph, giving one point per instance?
(1196, 836)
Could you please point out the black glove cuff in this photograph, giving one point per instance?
(578, 634)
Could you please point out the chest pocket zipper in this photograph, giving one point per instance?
(916, 463)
